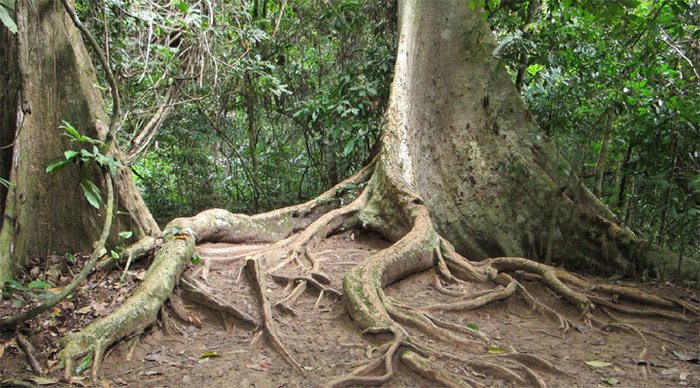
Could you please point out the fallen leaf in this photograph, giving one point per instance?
(598, 364)
(473, 327)
(210, 355)
(683, 376)
(157, 357)
(611, 381)
(687, 356)
(40, 380)
(583, 329)
(99, 307)
(261, 363)
(670, 371)
(150, 373)
(85, 310)
(496, 350)
(194, 320)
(84, 364)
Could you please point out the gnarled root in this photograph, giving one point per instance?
(286, 240)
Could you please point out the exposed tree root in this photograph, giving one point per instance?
(257, 276)
(202, 294)
(28, 350)
(292, 234)
(430, 371)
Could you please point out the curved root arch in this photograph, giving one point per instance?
(388, 207)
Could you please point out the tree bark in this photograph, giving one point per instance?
(459, 133)
(603, 155)
(461, 161)
(46, 213)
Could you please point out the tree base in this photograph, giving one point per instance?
(286, 254)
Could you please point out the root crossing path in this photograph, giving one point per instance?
(356, 288)
(310, 338)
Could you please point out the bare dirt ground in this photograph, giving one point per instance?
(208, 349)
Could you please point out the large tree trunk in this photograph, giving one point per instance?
(50, 78)
(465, 143)
(462, 163)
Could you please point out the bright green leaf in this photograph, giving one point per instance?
(6, 183)
(611, 381)
(473, 327)
(496, 350)
(70, 154)
(92, 193)
(210, 355)
(84, 364)
(71, 131)
(126, 234)
(38, 285)
(56, 166)
(195, 259)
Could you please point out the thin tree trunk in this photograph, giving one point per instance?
(252, 135)
(520, 76)
(603, 155)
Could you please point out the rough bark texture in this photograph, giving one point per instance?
(465, 143)
(47, 211)
(462, 161)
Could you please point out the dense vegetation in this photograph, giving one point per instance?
(251, 105)
(397, 164)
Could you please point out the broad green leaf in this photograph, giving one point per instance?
(195, 259)
(534, 68)
(349, 147)
(114, 254)
(84, 364)
(611, 381)
(473, 327)
(56, 166)
(38, 285)
(598, 364)
(71, 131)
(182, 6)
(496, 350)
(70, 154)
(126, 234)
(7, 18)
(92, 193)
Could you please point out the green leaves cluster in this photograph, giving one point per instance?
(85, 158)
(636, 60)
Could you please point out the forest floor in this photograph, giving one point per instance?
(213, 350)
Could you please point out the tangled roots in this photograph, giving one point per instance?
(286, 240)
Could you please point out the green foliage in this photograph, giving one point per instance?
(251, 98)
(6, 183)
(85, 159)
(632, 59)
(195, 259)
(7, 15)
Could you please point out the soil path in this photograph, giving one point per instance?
(213, 350)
